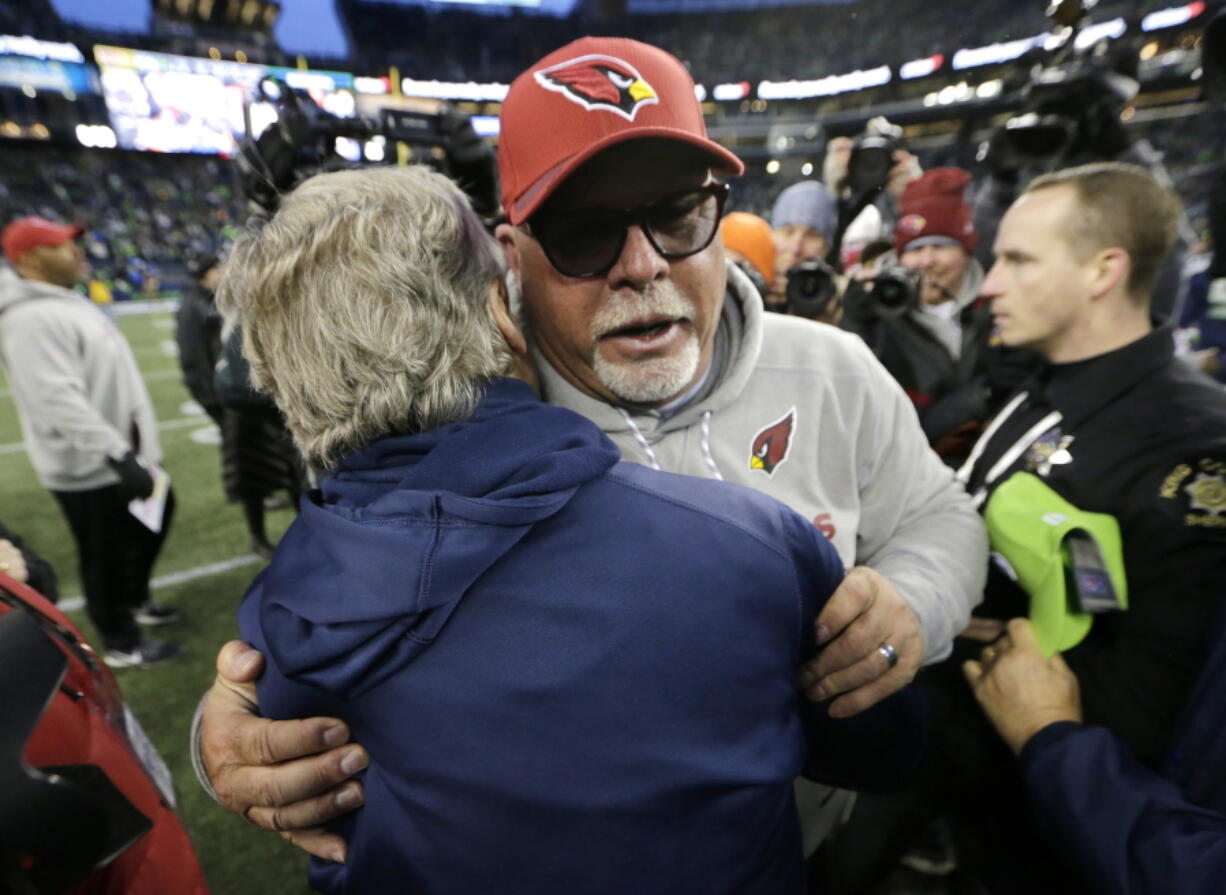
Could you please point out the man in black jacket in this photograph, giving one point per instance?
(1113, 424)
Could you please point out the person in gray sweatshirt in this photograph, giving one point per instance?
(89, 430)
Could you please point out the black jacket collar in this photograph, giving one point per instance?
(1080, 388)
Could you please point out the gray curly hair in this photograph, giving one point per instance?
(364, 307)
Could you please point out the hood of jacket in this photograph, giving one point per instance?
(368, 575)
(15, 289)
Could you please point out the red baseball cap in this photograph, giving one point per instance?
(24, 234)
(591, 94)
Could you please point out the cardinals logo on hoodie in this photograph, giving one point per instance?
(599, 82)
(770, 446)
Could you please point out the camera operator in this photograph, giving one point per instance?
(1070, 115)
(920, 315)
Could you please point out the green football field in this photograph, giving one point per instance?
(236, 857)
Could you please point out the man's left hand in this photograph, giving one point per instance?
(1021, 690)
(864, 613)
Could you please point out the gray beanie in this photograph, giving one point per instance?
(809, 204)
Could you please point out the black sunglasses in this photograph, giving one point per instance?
(588, 243)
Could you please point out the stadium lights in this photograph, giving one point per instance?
(371, 85)
(306, 80)
(1092, 34)
(730, 93)
(486, 125)
(828, 86)
(995, 53)
(1169, 18)
(700, 93)
(96, 136)
(469, 90)
(12, 45)
(373, 150)
(920, 68)
(772, 167)
(806, 169)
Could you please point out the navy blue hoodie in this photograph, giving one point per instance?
(573, 675)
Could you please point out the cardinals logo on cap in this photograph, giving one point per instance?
(599, 82)
(912, 223)
(770, 446)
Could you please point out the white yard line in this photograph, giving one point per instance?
(213, 568)
(202, 422)
(155, 376)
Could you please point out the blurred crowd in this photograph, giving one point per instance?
(145, 215)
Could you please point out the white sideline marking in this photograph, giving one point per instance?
(17, 447)
(155, 376)
(213, 568)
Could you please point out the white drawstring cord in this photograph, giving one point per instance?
(706, 446)
(641, 440)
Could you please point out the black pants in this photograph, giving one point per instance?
(969, 779)
(115, 553)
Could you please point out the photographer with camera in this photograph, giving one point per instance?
(920, 315)
(803, 222)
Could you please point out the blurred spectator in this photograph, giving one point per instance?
(1205, 310)
(89, 431)
(749, 245)
(20, 562)
(258, 455)
(144, 213)
(803, 222)
(936, 345)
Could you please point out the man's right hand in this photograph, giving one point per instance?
(287, 776)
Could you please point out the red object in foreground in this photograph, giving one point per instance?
(86, 723)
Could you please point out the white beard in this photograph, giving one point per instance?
(655, 379)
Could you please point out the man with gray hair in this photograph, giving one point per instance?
(518, 626)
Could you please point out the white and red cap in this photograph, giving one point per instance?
(589, 95)
(24, 234)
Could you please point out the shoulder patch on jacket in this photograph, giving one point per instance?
(1198, 491)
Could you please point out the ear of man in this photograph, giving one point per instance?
(1109, 270)
(500, 309)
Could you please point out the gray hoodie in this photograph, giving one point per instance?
(803, 412)
(78, 391)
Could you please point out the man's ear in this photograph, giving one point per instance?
(1109, 269)
(505, 234)
(503, 318)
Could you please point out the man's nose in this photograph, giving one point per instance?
(991, 285)
(639, 263)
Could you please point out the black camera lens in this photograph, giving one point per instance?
(811, 288)
(895, 290)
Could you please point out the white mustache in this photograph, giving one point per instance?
(662, 299)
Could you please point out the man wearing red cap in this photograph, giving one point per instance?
(89, 430)
(637, 323)
(937, 348)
